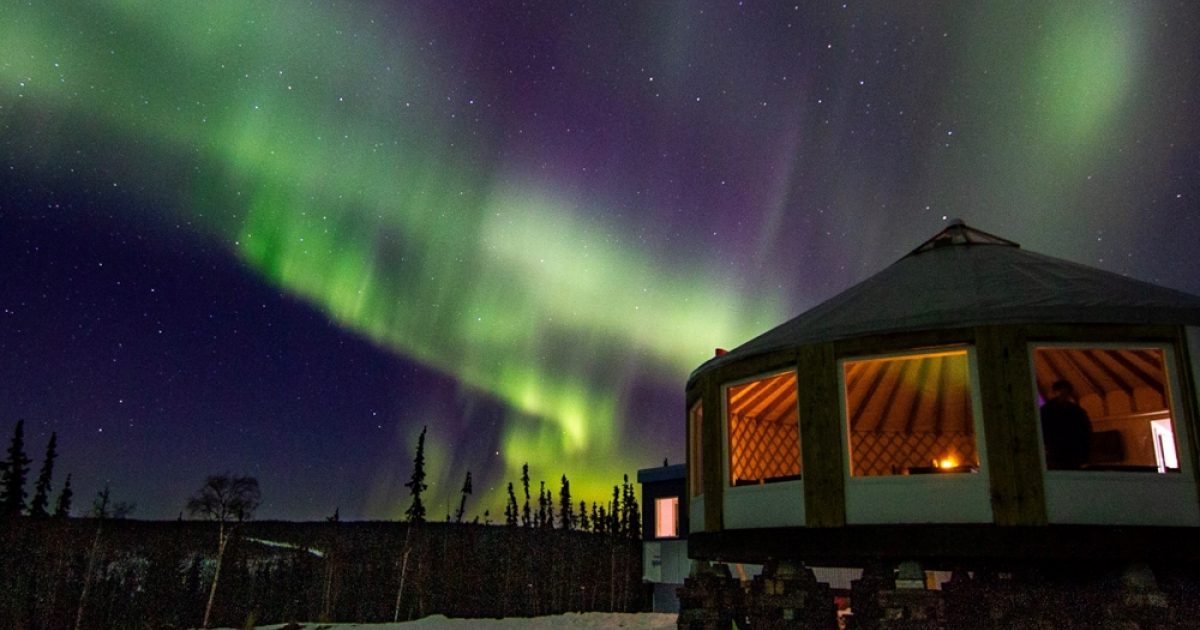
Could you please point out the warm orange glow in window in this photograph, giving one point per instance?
(666, 517)
(910, 414)
(695, 450)
(764, 430)
(1105, 409)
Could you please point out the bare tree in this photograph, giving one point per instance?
(102, 510)
(229, 501)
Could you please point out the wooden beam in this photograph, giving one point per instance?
(901, 342)
(879, 374)
(1010, 426)
(818, 400)
(754, 366)
(713, 455)
(1100, 333)
(691, 398)
(951, 545)
(1189, 397)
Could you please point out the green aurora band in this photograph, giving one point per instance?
(367, 215)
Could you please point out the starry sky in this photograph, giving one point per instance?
(278, 238)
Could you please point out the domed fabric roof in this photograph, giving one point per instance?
(965, 277)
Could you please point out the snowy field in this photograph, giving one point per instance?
(571, 621)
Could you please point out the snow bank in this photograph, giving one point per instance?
(571, 621)
(285, 545)
(575, 621)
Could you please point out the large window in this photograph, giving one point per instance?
(1105, 408)
(696, 450)
(910, 414)
(666, 517)
(764, 430)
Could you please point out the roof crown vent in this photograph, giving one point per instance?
(959, 233)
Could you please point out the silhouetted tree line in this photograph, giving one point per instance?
(104, 571)
(14, 470)
(159, 573)
(620, 518)
(618, 526)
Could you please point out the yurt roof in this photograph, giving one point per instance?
(966, 277)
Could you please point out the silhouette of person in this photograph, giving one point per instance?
(1066, 429)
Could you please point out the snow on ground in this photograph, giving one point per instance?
(570, 621)
(284, 545)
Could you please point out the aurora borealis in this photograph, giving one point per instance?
(278, 238)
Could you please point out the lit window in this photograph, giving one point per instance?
(1105, 409)
(666, 517)
(764, 431)
(695, 450)
(910, 414)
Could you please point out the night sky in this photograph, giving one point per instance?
(279, 238)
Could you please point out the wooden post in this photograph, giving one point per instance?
(821, 436)
(1010, 426)
(714, 456)
(1189, 398)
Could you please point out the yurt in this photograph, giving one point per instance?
(903, 419)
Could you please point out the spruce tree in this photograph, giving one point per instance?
(416, 510)
(541, 513)
(41, 493)
(16, 467)
(614, 513)
(462, 505)
(601, 521)
(62, 509)
(584, 525)
(566, 515)
(625, 524)
(510, 510)
(633, 516)
(526, 517)
(597, 520)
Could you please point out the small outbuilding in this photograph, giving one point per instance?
(901, 419)
(665, 562)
